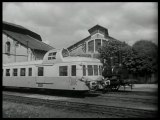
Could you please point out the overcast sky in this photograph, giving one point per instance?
(62, 24)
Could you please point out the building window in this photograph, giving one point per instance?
(104, 42)
(40, 71)
(97, 44)
(91, 46)
(84, 70)
(22, 71)
(7, 72)
(95, 70)
(52, 56)
(90, 70)
(63, 70)
(15, 71)
(8, 47)
(73, 73)
(29, 71)
(100, 70)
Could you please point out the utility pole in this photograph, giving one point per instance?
(15, 53)
(120, 56)
(27, 51)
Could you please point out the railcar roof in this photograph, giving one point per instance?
(23, 63)
(67, 59)
(80, 59)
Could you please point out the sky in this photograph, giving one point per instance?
(61, 24)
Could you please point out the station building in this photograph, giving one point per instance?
(21, 44)
(89, 46)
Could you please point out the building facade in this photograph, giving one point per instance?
(89, 46)
(21, 44)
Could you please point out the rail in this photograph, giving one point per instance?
(85, 107)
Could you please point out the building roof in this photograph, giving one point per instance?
(98, 27)
(20, 29)
(28, 41)
(78, 43)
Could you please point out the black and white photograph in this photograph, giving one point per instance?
(80, 60)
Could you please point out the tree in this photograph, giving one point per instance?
(146, 57)
(111, 53)
(141, 58)
(116, 53)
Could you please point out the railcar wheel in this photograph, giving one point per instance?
(115, 88)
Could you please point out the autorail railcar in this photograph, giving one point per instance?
(58, 71)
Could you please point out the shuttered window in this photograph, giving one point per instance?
(15, 72)
(7, 72)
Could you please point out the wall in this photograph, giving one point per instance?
(79, 48)
(17, 53)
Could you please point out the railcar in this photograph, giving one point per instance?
(57, 71)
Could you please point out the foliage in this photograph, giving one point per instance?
(145, 56)
(141, 58)
(111, 51)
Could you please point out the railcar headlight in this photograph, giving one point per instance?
(107, 82)
(83, 79)
(93, 83)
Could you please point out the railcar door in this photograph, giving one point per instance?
(73, 76)
(40, 76)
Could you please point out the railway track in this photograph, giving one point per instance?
(131, 99)
(134, 93)
(85, 107)
(142, 97)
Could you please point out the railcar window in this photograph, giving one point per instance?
(22, 71)
(90, 70)
(63, 70)
(52, 56)
(95, 70)
(100, 70)
(7, 72)
(84, 70)
(73, 73)
(29, 71)
(15, 72)
(40, 71)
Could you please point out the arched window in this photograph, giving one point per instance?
(97, 44)
(91, 46)
(8, 47)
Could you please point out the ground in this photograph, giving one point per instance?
(18, 110)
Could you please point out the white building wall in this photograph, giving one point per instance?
(20, 51)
